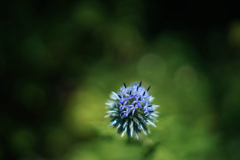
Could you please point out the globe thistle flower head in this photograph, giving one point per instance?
(131, 110)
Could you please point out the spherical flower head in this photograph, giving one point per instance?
(131, 110)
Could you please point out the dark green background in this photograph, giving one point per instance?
(59, 61)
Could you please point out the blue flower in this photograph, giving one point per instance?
(131, 110)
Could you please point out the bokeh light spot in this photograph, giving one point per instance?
(22, 141)
(185, 77)
(151, 66)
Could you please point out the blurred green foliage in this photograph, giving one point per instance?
(59, 61)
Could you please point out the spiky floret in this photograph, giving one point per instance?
(131, 111)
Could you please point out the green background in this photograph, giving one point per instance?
(59, 61)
